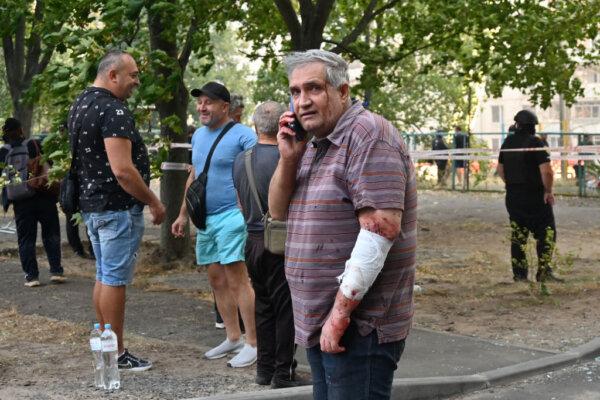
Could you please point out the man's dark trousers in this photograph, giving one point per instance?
(529, 214)
(39, 208)
(274, 315)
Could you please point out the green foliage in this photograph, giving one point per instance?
(412, 99)
(227, 64)
(484, 167)
(552, 260)
(57, 152)
(271, 83)
(5, 103)
(159, 152)
(527, 44)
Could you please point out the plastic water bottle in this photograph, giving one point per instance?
(110, 352)
(96, 346)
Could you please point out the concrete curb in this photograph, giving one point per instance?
(441, 387)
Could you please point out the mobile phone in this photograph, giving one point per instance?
(295, 124)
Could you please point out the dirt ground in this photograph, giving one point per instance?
(463, 270)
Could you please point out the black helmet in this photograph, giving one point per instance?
(526, 117)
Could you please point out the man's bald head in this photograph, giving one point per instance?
(111, 60)
(118, 73)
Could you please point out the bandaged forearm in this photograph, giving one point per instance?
(364, 264)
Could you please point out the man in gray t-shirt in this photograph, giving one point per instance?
(274, 316)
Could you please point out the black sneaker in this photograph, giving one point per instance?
(130, 362)
(263, 379)
(281, 383)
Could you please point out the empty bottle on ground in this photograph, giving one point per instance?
(96, 346)
(110, 352)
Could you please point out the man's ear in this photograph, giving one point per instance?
(344, 92)
(112, 75)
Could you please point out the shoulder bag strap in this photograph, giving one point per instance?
(251, 180)
(214, 145)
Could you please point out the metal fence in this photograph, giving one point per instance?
(575, 158)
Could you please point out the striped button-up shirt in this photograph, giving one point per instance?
(363, 163)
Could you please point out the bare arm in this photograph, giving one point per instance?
(177, 228)
(500, 170)
(118, 151)
(281, 189)
(548, 181)
(283, 182)
(386, 223)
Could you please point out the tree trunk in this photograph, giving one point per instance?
(24, 113)
(172, 183)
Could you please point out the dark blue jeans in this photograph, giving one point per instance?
(365, 371)
(28, 213)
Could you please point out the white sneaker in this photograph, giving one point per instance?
(245, 358)
(32, 283)
(224, 348)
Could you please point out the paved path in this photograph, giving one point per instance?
(178, 318)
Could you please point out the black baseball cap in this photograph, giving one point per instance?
(214, 90)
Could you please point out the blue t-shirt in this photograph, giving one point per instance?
(220, 192)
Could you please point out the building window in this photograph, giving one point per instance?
(586, 111)
(496, 112)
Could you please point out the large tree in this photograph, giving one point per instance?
(31, 31)
(163, 50)
(526, 44)
(171, 45)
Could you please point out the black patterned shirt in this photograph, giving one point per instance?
(95, 115)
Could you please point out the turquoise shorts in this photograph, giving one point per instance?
(224, 239)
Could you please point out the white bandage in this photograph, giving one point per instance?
(365, 263)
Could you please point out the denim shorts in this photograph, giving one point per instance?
(115, 237)
(224, 239)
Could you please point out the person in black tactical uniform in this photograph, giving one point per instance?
(529, 199)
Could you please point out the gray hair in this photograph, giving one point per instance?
(266, 117)
(336, 68)
(113, 58)
(237, 100)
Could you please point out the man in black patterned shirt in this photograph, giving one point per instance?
(114, 175)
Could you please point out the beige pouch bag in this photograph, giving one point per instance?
(275, 235)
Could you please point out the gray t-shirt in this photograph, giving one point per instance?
(264, 162)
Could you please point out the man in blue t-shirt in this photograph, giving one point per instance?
(221, 244)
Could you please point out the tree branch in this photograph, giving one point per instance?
(368, 16)
(291, 20)
(9, 62)
(307, 16)
(137, 29)
(186, 51)
(410, 52)
(317, 24)
(34, 43)
(45, 60)
(339, 48)
(19, 49)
